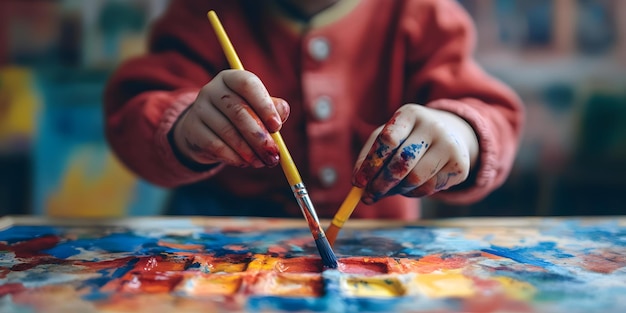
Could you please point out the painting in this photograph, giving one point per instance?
(271, 265)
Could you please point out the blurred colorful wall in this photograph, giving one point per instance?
(566, 58)
(55, 58)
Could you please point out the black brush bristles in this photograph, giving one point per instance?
(326, 252)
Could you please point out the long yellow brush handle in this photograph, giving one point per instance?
(227, 46)
(286, 162)
(348, 205)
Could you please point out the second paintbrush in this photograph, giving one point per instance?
(289, 168)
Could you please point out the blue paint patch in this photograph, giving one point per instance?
(22, 233)
(286, 304)
(107, 275)
(118, 242)
(409, 152)
(381, 150)
(523, 255)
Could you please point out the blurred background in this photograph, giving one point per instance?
(566, 58)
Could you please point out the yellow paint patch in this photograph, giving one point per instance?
(516, 289)
(225, 267)
(217, 265)
(444, 284)
(376, 286)
(289, 284)
(262, 262)
(213, 284)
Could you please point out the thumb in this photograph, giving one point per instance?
(282, 107)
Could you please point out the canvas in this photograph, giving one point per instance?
(271, 265)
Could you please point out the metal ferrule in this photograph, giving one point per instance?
(304, 201)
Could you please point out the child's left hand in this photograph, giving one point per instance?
(420, 151)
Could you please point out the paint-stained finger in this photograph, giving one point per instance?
(219, 125)
(204, 146)
(401, 165)
(390, 138)
(450, 175)
(244, 123)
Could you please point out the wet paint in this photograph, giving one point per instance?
(210, 285)
(288, 284)
(380, 287)
(299, 265)
(363, 266)
(444, 284)
(551, 266)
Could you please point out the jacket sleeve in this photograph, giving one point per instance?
(146, 95)
(445, 76)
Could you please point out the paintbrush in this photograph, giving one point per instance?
(286, 162)
(343, 214)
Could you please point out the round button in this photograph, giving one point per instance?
(328, 176)
(319, 48)
(322, 108)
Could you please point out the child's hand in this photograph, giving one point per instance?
(230, 122)
(418, 152)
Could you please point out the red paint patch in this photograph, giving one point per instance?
(33, 247)
(431, 263)
(300, 265)
(159, 282)
(11, 288)
(364, 266)
(607, 262)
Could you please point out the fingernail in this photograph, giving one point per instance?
(284, 110)
(271, 159)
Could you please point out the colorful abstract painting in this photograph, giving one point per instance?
(271, 265)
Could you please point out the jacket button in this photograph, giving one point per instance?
(319, 48)
(328, 176)
(322, 108)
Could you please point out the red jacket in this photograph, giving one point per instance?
(344, 74)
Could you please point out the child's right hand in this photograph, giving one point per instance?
(230, 122)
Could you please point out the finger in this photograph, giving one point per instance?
(392, 135)
(366, 149)
(400, 165)
(454, 172)
(248, 126)
(212, 119)
(448, 176)
(205, 147)
(428, 166)
(282, 108)
(249, 87)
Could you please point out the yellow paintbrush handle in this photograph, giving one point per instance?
(286, 162)
(227, 46)
(348, 205)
